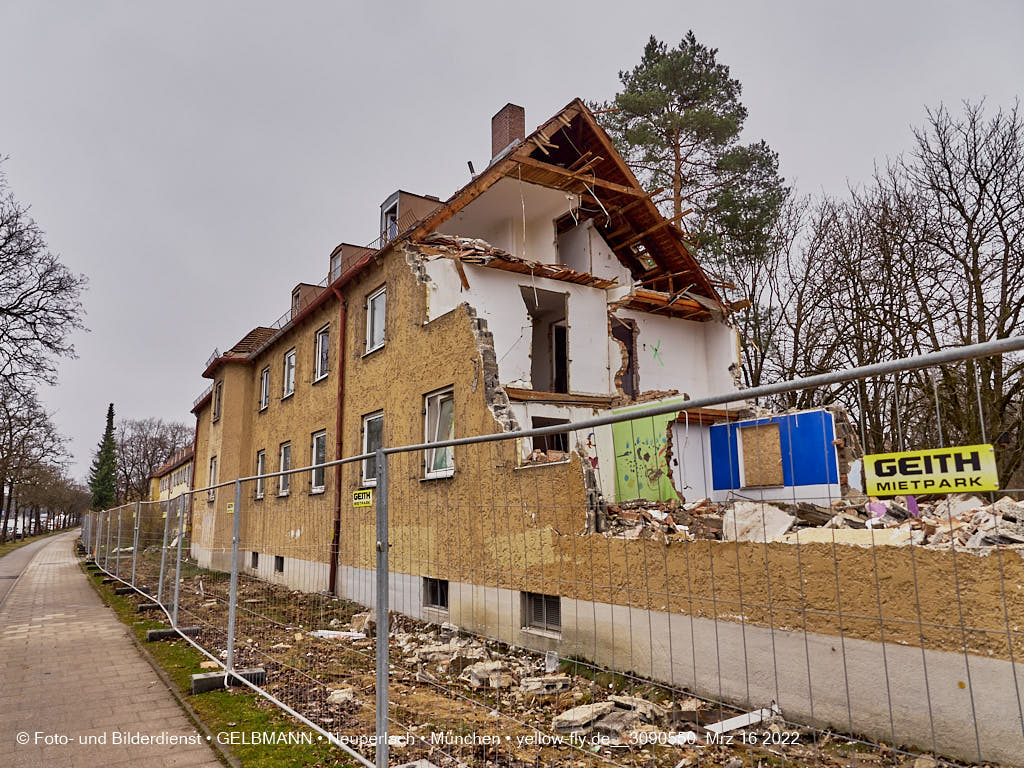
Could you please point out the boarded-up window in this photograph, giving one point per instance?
(762, 455)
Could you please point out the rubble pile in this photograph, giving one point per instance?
(959, 520)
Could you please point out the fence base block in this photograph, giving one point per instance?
(108, 580)
(147, 607)
(421, 763)
(171, 634)
(124, 590)
(214, 681)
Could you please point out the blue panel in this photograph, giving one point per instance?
(809, 458)
(807, 438)
(725, 465)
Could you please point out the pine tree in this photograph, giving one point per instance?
(677, 120)
(102, 476)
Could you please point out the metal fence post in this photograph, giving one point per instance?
(96, 540)
(163, 554)
(177, 561)
(117, 551)
(233, 592)
(106, 550)
(383, 625)
(135, 539)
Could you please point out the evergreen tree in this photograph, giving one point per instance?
(677, 120)
(102, 476)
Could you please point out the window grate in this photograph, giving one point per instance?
(543, 611)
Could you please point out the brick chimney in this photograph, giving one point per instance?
(507, 125)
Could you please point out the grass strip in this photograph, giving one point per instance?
(236, 711)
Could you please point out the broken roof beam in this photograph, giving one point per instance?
(663, 223)
(594, 181)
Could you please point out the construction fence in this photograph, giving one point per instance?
(479, 601)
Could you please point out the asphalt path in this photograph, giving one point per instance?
(13, 563)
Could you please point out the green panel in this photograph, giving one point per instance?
(641, 467)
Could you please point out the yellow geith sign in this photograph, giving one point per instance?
(363, 498)
(937, 470)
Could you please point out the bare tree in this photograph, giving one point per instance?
(142, 446)
(28, 439)
(39, 298)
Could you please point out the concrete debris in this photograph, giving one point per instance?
(487, 674)
(755, 521)
(647, 710)
(209, 665)
(544, 687)
(961, 520)
(364, 623)
(333, 634)
(581, 719)
(341, 696)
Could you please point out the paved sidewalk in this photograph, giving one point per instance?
(69, 670)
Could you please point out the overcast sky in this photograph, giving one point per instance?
(197, 159)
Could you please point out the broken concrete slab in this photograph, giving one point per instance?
(864, 537)
(755, 521)
(487, 674)
(543, 687)
(956, 504)
(647, 710)
(581, 718)
(341, 695)
(617, 725)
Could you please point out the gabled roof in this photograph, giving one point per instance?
(570, 152)
(573, 153)
(184, 456)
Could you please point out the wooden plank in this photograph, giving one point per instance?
(593, 181)
(649, 230)
(533, 395)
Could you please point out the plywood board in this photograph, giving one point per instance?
(762, 455)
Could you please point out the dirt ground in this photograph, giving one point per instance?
(431, 701)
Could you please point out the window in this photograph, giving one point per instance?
(375, 319)
(255, 560)
(284, 482)
(762, 455)
(545, 443)
(296, 300)
(261, 467)
(323, 352)
(439, 425)
(278, 563)
(542, 612)
(435, 593)
(389, 224)
(318, 454)
(212, 493)
(373, 436)
(264, 388)
(218, 393)
(289, 373)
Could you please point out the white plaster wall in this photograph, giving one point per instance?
(691, 460)
(597, 442)
(723, 347)
(684, 362)
(585, 250)
(497, 298)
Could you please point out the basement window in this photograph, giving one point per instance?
(435, 593)
(278, 563)
(375, 319)
(543, 612)
(549, 351)
(439, 425)
(373, 438)
(761, 447)
(254, 560)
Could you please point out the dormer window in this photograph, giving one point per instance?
(389, 223)
(296, 294)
